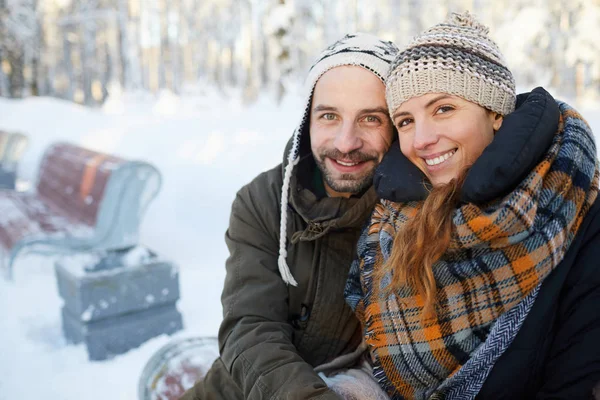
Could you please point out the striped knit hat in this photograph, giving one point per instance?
(359, 49)
(455, 57)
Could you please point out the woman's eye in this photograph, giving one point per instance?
(405, 122)
(444, 109)
(328, 116)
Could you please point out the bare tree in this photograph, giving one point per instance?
(264, 45)
(19, 41)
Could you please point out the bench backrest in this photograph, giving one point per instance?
(4, 136)
(12, 146)
(107, 193)
(15, 147)
(74, 180)
(132, 187)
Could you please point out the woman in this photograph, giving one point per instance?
(478, 273)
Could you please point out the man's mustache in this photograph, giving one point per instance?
(353, 156)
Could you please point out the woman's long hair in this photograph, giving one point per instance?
(421, 242)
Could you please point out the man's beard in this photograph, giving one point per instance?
(346, 183)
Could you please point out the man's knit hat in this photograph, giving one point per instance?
(455, 57)
(359, 49)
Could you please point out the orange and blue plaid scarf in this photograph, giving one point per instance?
(487, 280)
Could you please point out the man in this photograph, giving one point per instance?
(292, 236)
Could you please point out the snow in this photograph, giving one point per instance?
(207, 148)
(78, 264)
(137, 256)
(87, 314)
(280, 18)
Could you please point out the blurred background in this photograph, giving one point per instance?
(82, 50)
(208, 92)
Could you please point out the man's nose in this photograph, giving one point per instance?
(348, 138)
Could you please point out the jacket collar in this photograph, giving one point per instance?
(517, 147)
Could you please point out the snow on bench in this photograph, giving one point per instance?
(84, 200)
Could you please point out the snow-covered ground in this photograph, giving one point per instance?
(206, 149)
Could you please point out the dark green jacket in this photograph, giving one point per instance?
(272, 334)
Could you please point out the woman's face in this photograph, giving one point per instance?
(442, 134)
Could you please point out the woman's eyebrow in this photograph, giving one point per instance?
(440, 97)
(399, 114)
(429, 104)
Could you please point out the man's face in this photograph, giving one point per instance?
(350, 129)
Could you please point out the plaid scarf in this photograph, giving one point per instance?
(487, 280)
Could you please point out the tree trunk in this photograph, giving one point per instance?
(70, 93)
(4, 82)
(88, 52)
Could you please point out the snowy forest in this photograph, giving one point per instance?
(81, 50)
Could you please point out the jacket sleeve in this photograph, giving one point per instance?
(573, 368)
(256, 338)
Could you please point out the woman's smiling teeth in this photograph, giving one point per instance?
(438, 160)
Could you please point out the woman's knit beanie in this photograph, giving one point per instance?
(456, 57)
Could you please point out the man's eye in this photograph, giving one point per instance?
(328, 116)
(372, 118)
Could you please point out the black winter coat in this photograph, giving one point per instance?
(556, 354)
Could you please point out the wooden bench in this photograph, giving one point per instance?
(12, 146)
(84, 200)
